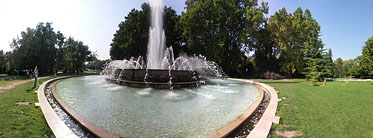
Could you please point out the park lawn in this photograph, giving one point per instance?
(339, 109)
(13, 79)
(22, 120)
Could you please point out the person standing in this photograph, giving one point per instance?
(36, 73)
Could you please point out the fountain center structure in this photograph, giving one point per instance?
(161, 70)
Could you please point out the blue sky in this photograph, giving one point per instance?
(345, 25)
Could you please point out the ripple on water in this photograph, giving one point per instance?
(98, 81)
(115, 88)
(207, 96)
(172, 95)
(145, 91)
(109, 85)
(227, 91)
(215, 87)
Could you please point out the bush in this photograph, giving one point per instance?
(272, 75)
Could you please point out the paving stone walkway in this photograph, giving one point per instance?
(14, 84)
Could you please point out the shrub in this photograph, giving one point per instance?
(272, 75)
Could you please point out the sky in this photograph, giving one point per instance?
(345, 25)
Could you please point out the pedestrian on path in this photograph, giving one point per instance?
(36, 73)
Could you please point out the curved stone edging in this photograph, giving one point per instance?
(262, 128)
(58, 127)
(95, 130)
(230, 127)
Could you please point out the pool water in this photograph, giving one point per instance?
(148, 112)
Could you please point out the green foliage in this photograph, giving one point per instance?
(235, 34)
(3, 61)
(97, 65)
(366, 60)
(35, 47)
(131, 39)
(318, 63)
(217, 29)
(48, 50)
(292, 34)
(347, 68)
(75, 55)
(260, 40)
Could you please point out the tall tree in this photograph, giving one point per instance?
(292, 33)
(366, 59)
(217, 29)
(46, 49)
(76, 54)
(131, 39)
(339, 72)
(173, 31)
(259, 40)
(60, 51)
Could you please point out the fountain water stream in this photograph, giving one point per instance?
(161, 67)
(157, 38)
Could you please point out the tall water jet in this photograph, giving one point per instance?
(157, 38)
(163, 69)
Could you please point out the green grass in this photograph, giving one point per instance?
(22, 120)
(339, 109)
(92, 72)
(13, 79)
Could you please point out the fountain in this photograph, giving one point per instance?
(162, 69)
(92, 106)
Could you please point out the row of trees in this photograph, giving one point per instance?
(49, 50)
(360, 67)
(237, 35)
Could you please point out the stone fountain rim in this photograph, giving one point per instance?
(260, 130)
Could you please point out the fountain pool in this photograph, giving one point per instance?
(149, 112)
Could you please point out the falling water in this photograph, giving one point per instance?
(157, 36)
(160, 57)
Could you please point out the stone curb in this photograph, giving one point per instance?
(58, 127)
(262, 128)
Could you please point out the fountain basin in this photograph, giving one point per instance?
(134, 112)
(156, 78)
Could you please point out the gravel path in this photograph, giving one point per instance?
(14, 84)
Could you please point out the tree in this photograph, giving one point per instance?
(97, 65)
(131, 39)
(353, 67)
(259, 40)
(44, 48)
(76, 54)
(36, 47)
(292, 33)
(217, 30)
(318, 63)
(2, 62)
(173, 31)
(366, 59)
(60, 51)
(339, 72)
